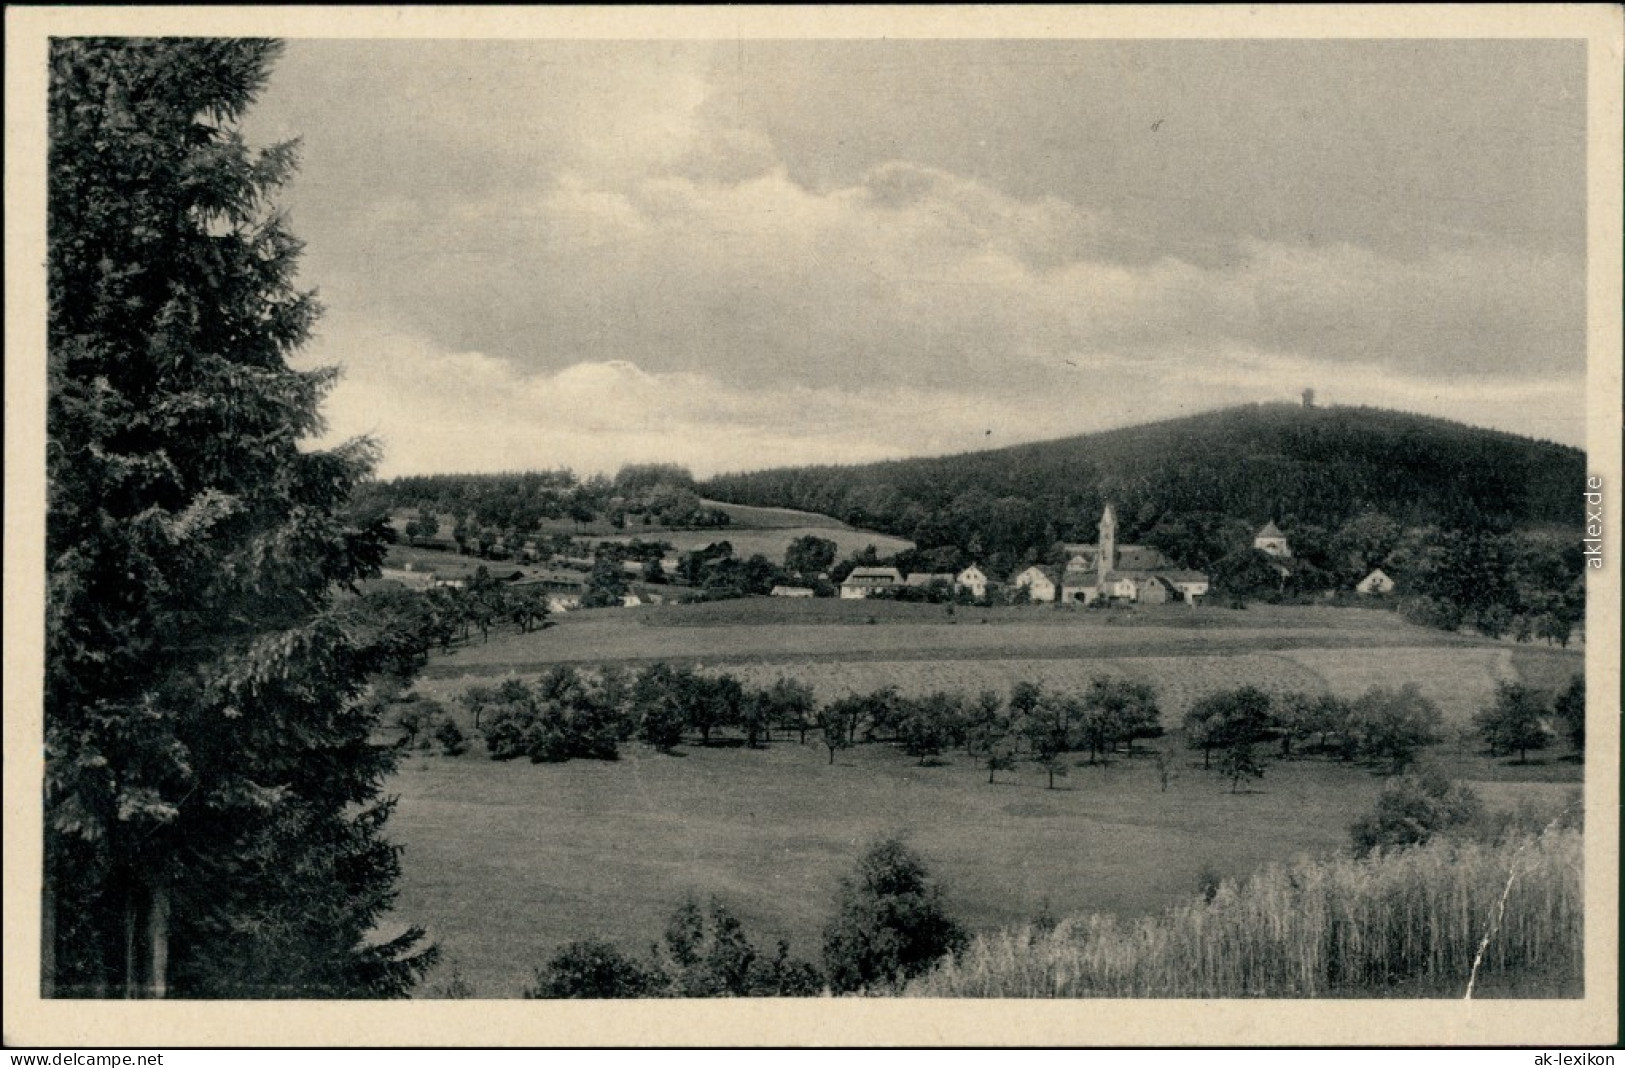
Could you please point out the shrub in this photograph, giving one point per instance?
(593, 969)
(1412, 809)
(707, 954)
(451, 738)
(890, 923)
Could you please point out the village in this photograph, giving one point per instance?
(1102, 572)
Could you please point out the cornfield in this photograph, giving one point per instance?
(1327, 928)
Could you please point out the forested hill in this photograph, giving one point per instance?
(1310, 466)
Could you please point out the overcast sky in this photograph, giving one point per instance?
(739, 255)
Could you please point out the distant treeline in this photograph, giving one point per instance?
(1317, 467)
(520, 503)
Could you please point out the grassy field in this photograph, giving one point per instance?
(747, 516)
(507, 861)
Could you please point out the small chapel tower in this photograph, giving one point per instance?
(1107, 558)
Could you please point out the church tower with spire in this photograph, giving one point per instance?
(1107, 559)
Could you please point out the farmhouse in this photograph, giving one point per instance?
(790, 591)
(974, 579)
(865, 580)
(1041, 583)
(1375, 584)
(1135, 573)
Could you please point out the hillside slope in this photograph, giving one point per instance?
(1319, 466)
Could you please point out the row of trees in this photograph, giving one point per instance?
(1384, 726)
(412, 622)
(570, 714)
(514, 506)
(890, 923)
(567, 714)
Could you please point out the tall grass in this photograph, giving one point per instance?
(1326, 928)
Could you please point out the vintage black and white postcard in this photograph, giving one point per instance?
(808, 526)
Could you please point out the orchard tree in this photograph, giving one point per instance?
(213, 826)
(1233, 722)
(1393, 725)
(526, 606)
(1024, 697)
(987, 725)
(928, 724)
(788, 705)
(1118, 710)
(1050, 730)
(810, 555)
(1515, 721)
(658, 707)
(835, 723)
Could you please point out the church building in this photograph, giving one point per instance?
(1135, 573)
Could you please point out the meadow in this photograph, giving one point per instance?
(834, 646)
(505, 862)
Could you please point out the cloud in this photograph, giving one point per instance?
(438, 410)
(602, 246)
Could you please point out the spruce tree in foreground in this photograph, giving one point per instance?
(213, 823)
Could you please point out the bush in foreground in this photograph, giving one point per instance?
(593, 968)
(705, 954)
(890, 923)
(1412, 809)
(1337, 928)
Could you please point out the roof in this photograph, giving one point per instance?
(1270, 531)
(553, 579)
(1088, 577)
(875, 574)
(784, 591)
(926, 578)
(1140, 558)
(1053, 574)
